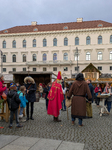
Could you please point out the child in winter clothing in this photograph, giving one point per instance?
(13, 103)
(40, 89)
(23, 100)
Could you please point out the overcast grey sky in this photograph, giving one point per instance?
(22, 12)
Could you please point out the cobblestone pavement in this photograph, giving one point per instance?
(96, 133)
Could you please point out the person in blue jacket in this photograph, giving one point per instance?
(23, 100)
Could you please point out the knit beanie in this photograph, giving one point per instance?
(13, 86)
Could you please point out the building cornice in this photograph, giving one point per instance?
(57, 32)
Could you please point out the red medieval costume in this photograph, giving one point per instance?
(55, 97)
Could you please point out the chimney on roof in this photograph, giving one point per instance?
(33, 23)
(79, 19)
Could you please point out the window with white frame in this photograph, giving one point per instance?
(99, 67)
(76, 56)
(24, 43)
(14, 58)
(65, 41)
(4, 44)
(44, 42)
(24, 58)
(111, 55)
(24, 69)
(54, 68)
(44, 57)
(88, 56)
(100, 56)
(34, 57)
(34, 42)
(65, 56)
(110, 67)
(88, 40)
(76, 41)
(54, 57)
(44, 69)
(55, 42)
(4, 58)
(4, 69)
(14, 44)
(14, 69)
(34, 69)
(100, 39)
(65, 68)
(111, 39)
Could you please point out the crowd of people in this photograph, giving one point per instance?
(83, 94)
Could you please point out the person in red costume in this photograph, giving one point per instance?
(55, 97)
(2, 87)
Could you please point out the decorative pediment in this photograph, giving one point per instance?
(91, 68)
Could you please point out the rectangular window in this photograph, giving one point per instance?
(54, 68)
(65, 68)
(110, 67)
(13, 69)
(76, 69)
(24, 69)
(4, 69)
(99, 67)
(34, 69)
(44, 69)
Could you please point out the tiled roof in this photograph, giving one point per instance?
(57, 27)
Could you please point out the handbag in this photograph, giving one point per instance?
(4, 96)
(68, 103)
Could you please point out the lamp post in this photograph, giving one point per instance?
(77, 54)
(28, 70)
(1, 61)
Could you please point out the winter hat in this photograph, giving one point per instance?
(13, 86)
(40, 84)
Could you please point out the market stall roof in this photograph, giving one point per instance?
(91, 68)
(31, 72)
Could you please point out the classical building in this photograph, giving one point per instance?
(52, 47)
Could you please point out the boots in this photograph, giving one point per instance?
(54, 119)
(57, 120)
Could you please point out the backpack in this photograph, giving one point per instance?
(10, 99)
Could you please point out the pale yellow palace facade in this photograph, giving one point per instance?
(52, 47)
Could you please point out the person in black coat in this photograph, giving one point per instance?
(46, 90)
(13, 104)
(30, 95)
(88, 103)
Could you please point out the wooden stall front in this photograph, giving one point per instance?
(39, 77)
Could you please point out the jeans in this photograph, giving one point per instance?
(27, 109)
(21, 110)
(80, 120)
(108, 103)
(41, 94)
(63, 104)
(12, 117)
(97, 101)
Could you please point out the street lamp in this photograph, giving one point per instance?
(28, 70)
(77, 54)
(1, 61)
